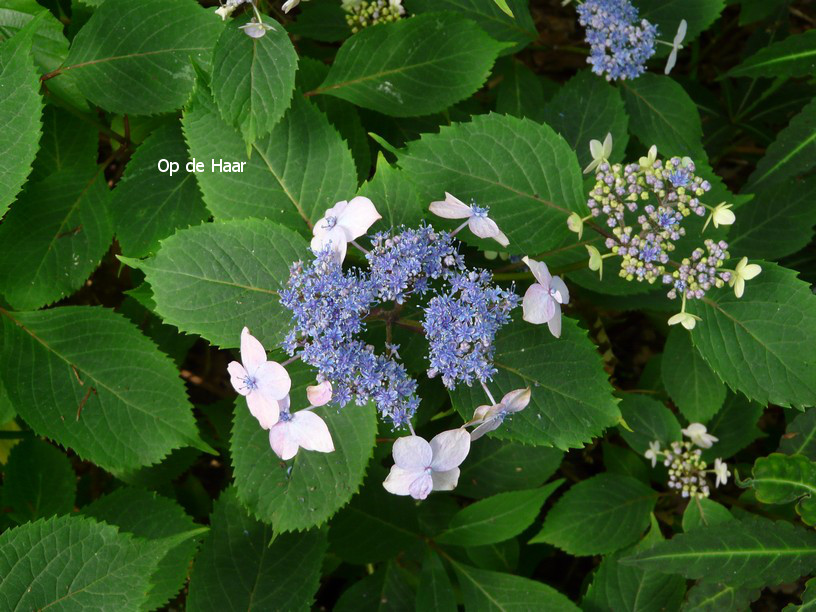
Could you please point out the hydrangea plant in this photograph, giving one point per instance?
(407, 305)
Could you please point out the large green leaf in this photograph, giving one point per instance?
(522, 170)
(703, 513)
(244, 565)
(395, 197)
(753, 552)
(66, 143)
(718, 596)
(781, 479)
(521, 92)
(149, 205)
(791, 154)
(306, 491)
(412, 67)
(54, 237)
(20, 111)
(150, 516)
(800, 437)
(666, 15)
(571, 398)
(497, 518)
(39, 482)
(103, 389)
(647, 420)
(73, 563)
(386, 590)
(662, 113)
(598, 515)
(253, 79)
(435, 590)
(793, 57)
(293, 175)
(735, 426)
(763, 344)
(216, 278)
(136, 57)
(689, 381)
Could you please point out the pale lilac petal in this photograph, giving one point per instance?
(481, 413)
(273, 380)
(336, 210)
(558, 289)
(483, 227)
(265, 410)
(412, 453)
(451, 208)
(540, 272)
(237, 377)
(399, 481)
(555, 322)
(501, 238)
(358, 216)
(334, 238)
(253, 353)
(538, 306)
(484, 428)
(445, 481)
(319, 395)
(449, 449)
(281, 441)
(516, 400)
(421, 487)
(310, 432)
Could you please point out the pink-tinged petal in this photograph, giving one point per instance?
(237, 377)
(538, 306)
(399, 481)
(359, 215)
(483, 227)
(265, 410)
(310, 432)
(449, 449)
(540, 272)
(555, 323)
(484, 428)
(558, 289)
(273, 380)
(445, 481)
(280, 439)
(516, 400)
(412, 453)
(451, 208)
(253, 353)
(319, 395)
(421, 487)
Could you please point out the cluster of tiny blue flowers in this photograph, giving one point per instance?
(461, 326)
(619, 46)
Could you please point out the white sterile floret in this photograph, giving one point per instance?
(225, 11)
(543, 299)
(686, 319)
(721, 215)
(319, 395)
(256, 29)
(653, 452)
(698, 434)
(289, 5)
(650, 159)
(595, 260)
(600, 152)
(421, 467)
(676, 46)
(477, 220)
(301, 429)
(489, 418)
(342, 223)
(263, 383)
(721, 472)
(743, 272)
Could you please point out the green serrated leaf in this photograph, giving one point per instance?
(435, 590)
(781, 479)
(598, 515)
(800, 436)
(253, 79)
(521, 169)
(216, 278)
(521, 92)
(716, 597)
(387, 589)
(793, 57)
(496, 518)
(735, 426)
(136, 57)
(704, 513)
(620, 460)
(754, 552)
(379, 68)
(571, 398)
(808, 599)
(323, 20)
(649, 420)
(763, 344)
(66, 143)
(395, 197)
(105, 390)
(244, 565)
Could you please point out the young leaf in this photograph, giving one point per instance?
(647, 419)
(293, 175)
(497, 518)
(379, 68)
(484, 591)
(216, 278)
(571, 398)
(244, 565)
(598, 515)
(253, 79)
(763, 344)
(754, 552)
(135, 57)
(781, 479)
(73, 563)
(104, 389)
(435, 590)
(313, 486)
(20, 111)
(54, 237)
(793, 57)
(149, 205)
(526, 173)
(689, 381)
(717, 596)
(800, 437)
(704, 513)
(150, 516)
(39, 482)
